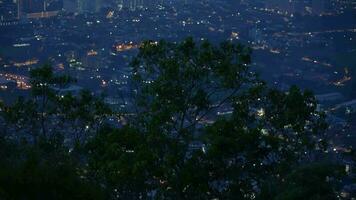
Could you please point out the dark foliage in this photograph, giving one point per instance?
(203, 127)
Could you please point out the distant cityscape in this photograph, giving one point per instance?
(19, 9)
(309, 43)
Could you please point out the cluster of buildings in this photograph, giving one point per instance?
(81, 6)
(13, 10)
(305, 7)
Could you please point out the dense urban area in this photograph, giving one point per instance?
(310, 44)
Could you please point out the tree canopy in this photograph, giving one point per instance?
(202, 126)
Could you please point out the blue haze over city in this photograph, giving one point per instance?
(308, 43)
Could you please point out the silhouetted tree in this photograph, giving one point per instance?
(43, 171)
(205, 127)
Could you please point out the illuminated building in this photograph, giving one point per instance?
(39, 8)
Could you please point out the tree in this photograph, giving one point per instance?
(205, 127)
(313, 181)
(124, 161)
(43, 171)
(49, 112)
(43, 82)
(181, 85)
(350, 89)
(80, 116)
(36, 163)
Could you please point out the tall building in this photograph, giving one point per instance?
(39, 8)
(133, 4)
(53, 5)
(89, 5)
(32, 6)
(318, 6)
(8, 10)
(70, 6)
